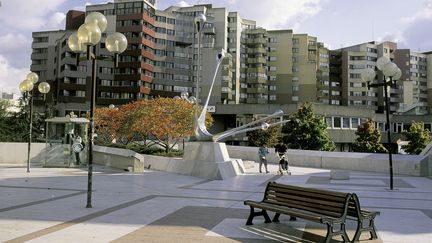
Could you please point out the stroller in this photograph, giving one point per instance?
(283, 164)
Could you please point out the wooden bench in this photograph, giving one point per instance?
(326, 207)
(365, 219)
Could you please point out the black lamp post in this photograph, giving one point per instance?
(84, 40)
(390, 70)
(26, 87)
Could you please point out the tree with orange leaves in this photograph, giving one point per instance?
(167, 120)
(107, 123)
(161, 121)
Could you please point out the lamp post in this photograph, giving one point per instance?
(84, 40)
(26, 88)
(390, 70)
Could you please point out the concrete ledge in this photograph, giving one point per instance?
(124, 159)
(339, 175)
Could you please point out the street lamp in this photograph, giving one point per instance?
(26, 88)
(390, 70)
(85, 40)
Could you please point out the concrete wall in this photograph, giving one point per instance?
(16, 153)
(124, 159)
(415, 165)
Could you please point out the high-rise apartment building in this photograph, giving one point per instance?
(410, 92)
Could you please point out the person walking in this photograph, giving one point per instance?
(77, 147)
(281, 150)
(262, 153)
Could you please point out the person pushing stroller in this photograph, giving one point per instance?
(281, 150)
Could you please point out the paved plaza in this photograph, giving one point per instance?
(48, 205)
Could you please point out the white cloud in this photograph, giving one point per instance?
(278, 13)
(27, 14)
(415, 33)
(10, 76)
(56, 21)
(10, 43)
(183, 4)
(268, 14)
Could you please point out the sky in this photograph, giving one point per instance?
(337, 23)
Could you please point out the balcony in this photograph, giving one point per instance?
(254, 41)
(209, 30)
(259, 90)
(256, 80)
(256, 60)
(256, 101)
(256, 70)
(256, 50)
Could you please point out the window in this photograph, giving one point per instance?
(337, 122)
(354, 122)
(345, 122)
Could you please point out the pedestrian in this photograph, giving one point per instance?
(262, 153)
(77, 147)
(281, 150)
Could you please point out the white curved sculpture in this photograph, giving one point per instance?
(201, 133)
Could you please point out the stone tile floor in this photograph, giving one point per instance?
(48, 205)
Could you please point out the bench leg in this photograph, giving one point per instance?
(358, 231)
(252, 214)
(360, 228)
(267, 218)
(276, 218)
(373, 229)
(331, 233)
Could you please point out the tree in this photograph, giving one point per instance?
(417, 136)
(108, 123)
(167, 120)
(306, 131)
(270, 136)
(14, 126)
(159, 121)
(368, 139)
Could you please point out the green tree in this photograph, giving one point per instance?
(306, 131)
(417, 136)
(368, 139)
(270, 136)
(14, 126)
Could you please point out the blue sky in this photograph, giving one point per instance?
(337, 23)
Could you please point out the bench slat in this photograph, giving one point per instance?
(310, 206)
(313, 193)
(307, 189)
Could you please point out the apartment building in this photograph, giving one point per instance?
(408, 95)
